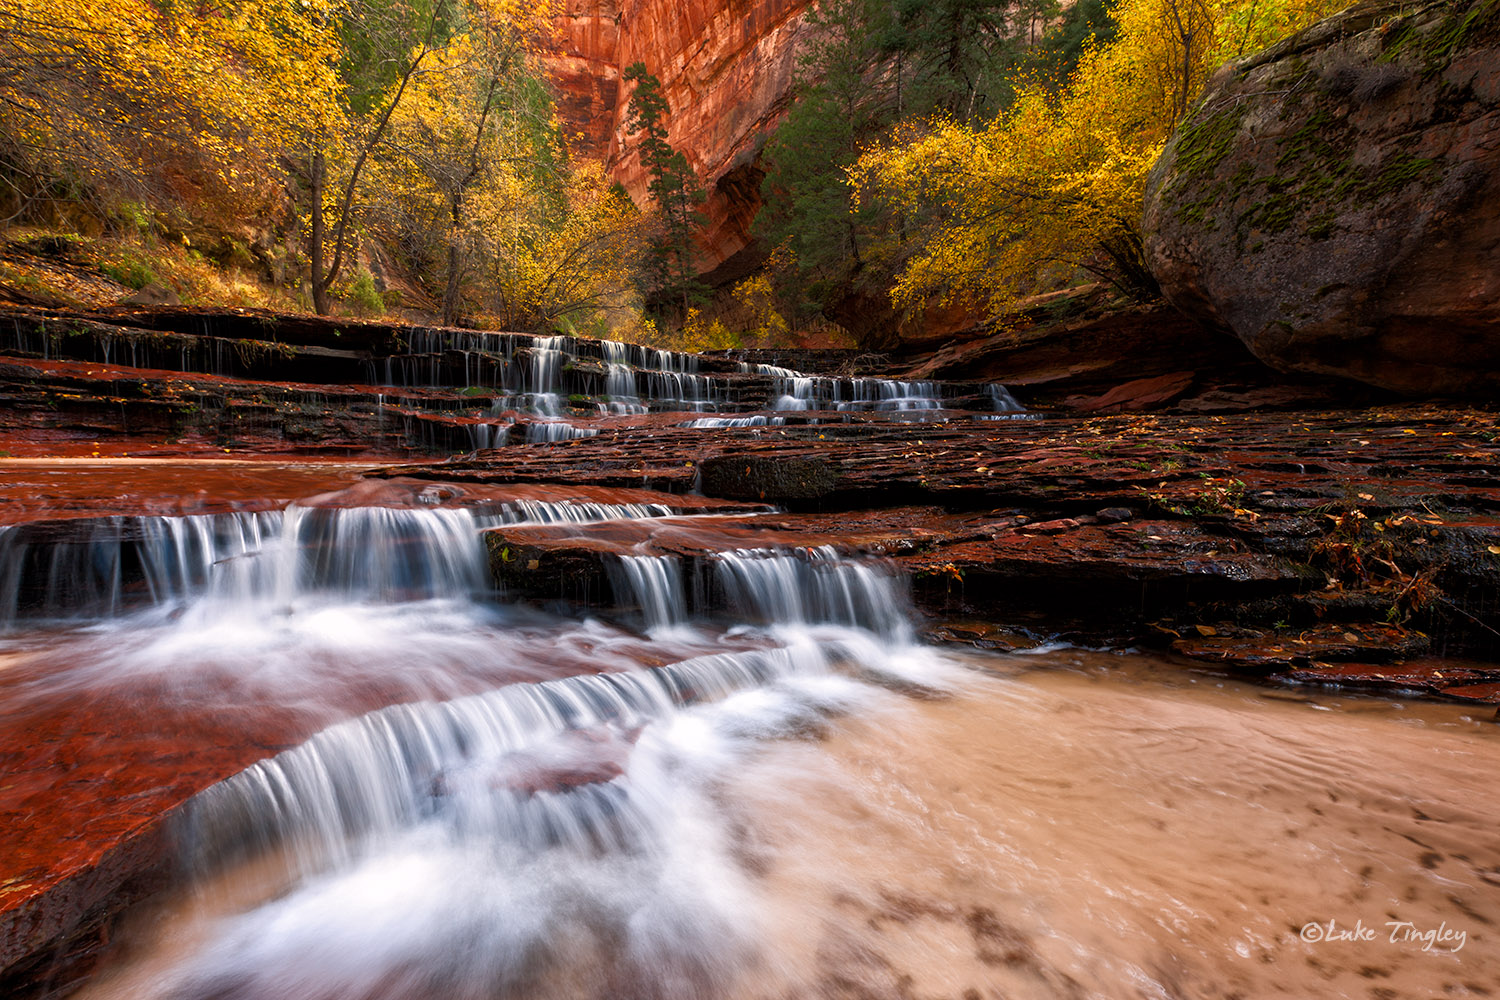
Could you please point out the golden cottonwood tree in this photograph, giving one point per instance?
(449, 69)
(158, 102)
(1054, 186)
(472, 184)
(562, 261)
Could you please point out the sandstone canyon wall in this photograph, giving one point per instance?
(726, 68)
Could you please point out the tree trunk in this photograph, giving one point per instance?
(316, 251)
(451, 292)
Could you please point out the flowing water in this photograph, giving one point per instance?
(754, 785)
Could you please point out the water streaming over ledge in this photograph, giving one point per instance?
(775, 791)
(555, 819)
(103, 567)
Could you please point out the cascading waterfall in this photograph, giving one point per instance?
(488, 435)
(546, 363)
(540, 822)
(557, 430)
(99, 567)
(619, 381)
(1003, 400)
(578, 511)
(755, 420)
(813, 586)
(374, 777)
(636, 379)
(654, 583)
(794, 390)
(105, 566)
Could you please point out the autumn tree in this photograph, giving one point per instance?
(863, 67)
(1053, 187)
(333, 202)
(113, 100)
(672, 272)
(565, 264)
(474, 117)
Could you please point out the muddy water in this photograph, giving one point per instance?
(1062, 825)
(1115, 829)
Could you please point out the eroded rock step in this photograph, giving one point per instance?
(1118, 530)
(146, 741)
(253, 382)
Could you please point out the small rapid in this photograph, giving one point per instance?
(554, 823)
(737, 774)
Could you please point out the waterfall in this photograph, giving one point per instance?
(102, 567)
(757, 420)
(793, 390)
(655, 584)
(1003, 400)
(546, 363)
(619, 381)
(490, 435)
(578, 511)
(557, 430)
(816, 586)
(379, 774)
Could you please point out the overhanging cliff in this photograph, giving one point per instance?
(726, 68)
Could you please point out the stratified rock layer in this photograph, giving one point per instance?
(1131, 530)
(1335, 200)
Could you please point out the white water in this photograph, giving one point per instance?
(550, 836)
(636, 379)
(556, 807)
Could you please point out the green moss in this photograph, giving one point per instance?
(132, 272)
(1434, 47)
(1206, 141)
(1317, 177)
(1401, 170)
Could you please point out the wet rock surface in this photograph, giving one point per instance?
(1353, 548)
(1257, 541)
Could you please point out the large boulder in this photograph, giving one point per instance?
(1335, 200)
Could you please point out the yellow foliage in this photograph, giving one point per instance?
(1054, 186)
(545, 266)
(697, 334)
(756, 299)
(164, 99)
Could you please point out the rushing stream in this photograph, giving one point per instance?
(780, 794)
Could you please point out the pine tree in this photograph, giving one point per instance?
(674, 188)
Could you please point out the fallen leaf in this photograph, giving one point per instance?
(1206, 630)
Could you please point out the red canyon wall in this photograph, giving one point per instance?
(726, 68)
